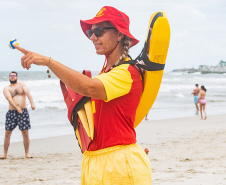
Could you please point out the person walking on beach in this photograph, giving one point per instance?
(202, 101)
(17, 114)
(113, 157)
(196, 97)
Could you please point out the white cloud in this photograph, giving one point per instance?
(10, 4)
(63, 27)
(197, 29)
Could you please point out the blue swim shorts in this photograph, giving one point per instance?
(14, 118)
(196, 99)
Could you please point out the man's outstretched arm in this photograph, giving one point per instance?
(28, 94)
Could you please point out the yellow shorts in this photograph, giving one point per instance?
(117, 165)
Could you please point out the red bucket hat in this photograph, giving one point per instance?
(117, 18)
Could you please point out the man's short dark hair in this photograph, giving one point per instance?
(196, 84)
(13, 72)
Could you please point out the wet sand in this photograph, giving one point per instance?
(183, 151)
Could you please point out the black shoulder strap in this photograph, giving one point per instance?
(134, 63)
(147, 64)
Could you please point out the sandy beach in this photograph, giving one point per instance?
(183, 151)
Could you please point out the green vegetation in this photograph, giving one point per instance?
(222, 63)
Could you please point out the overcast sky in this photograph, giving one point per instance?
(52, 28)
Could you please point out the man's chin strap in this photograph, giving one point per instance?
(106, 59)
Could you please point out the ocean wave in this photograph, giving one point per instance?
(178, 87)
(215, 101)
(204, 79)
(3, 84)
(178, 73)
(196, 73)
(48, 123)
(171, 80)
(179, 95)
(47, 97)
(53, 106)
(42, 83)
(33, 83)
(4, 102)
(166, 87)
(220, 95)
(184, 107)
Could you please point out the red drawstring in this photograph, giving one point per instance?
(106, 60)
(103, 68)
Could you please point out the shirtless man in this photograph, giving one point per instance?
(18, 114)
(196, 97)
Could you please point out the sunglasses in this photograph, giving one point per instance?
(98, 31)
(12, 75)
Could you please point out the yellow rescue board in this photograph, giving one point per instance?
(157, 52)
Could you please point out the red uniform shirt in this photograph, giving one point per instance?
(114, 118)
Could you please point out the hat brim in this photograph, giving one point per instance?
(87, 24)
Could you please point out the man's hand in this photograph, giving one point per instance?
(19, 110)
(33, 106)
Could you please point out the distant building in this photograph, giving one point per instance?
(219, 68)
